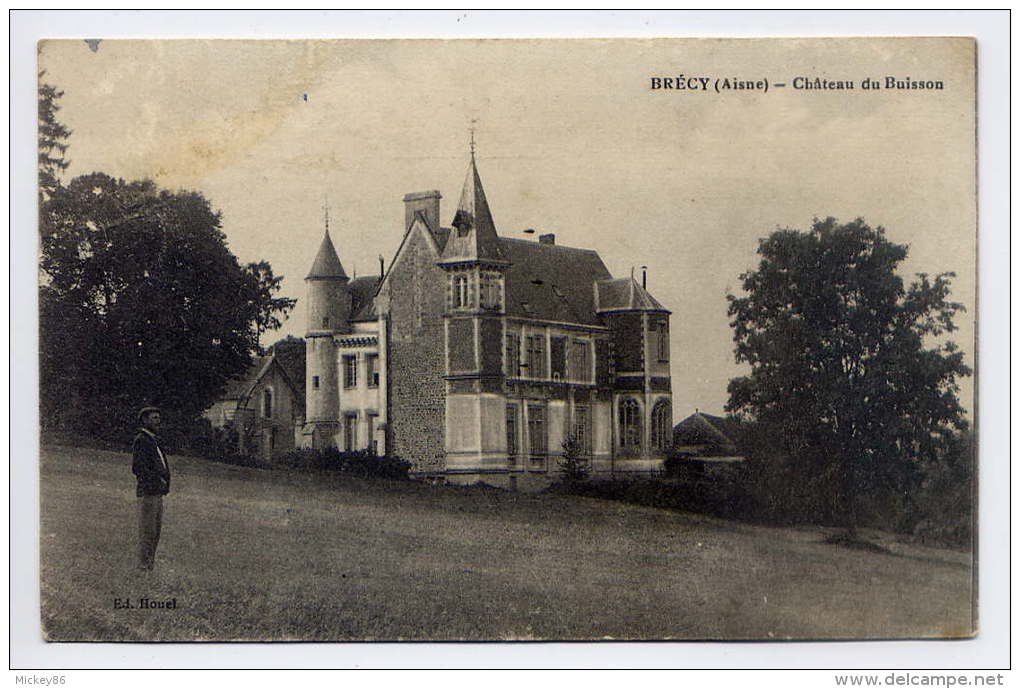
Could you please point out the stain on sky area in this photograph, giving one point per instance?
(93, 44)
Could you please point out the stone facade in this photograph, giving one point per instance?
(415, 294)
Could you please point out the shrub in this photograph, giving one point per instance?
(363, 463)
(215, 444)
(358, 463)
(574, 464)
(715, 491)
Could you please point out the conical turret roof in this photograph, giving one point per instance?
(474, 236)
(327, 264)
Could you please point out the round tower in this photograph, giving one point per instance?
(329, 312)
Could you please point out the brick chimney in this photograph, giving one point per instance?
(547, 239)
(425, 201)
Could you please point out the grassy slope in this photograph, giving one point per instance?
(275, 555)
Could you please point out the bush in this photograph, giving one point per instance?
(215, 444)
(358, 463)
(943, 510)
(574, 464)
(715, 491)
(939, 511)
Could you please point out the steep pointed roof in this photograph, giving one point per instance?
(326, 264)
(474, 236)
(624, 294)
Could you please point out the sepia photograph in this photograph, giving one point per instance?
(507, 340)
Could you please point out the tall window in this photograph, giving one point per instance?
(513, 355)
(373, 370)
(538, 444)
(373, 444)
(460, 292)
(350, 432)
(536, 356)
(580, 361)
(490, 291)
(663, 332)
(267, 403)
(630, 424)
(662, 425)
(582, 429)
(350, 371)
(315, 382)
(512, 449)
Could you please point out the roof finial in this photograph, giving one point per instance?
(325, 210)
(474, 121)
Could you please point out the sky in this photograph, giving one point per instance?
(571, 140)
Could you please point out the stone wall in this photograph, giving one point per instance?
(461, 335)
(417, 404)
(490, 333)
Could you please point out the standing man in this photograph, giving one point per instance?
(153, 474)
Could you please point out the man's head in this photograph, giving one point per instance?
(149, 418)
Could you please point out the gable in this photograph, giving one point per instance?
(417, 238)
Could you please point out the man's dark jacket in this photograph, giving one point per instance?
(152, 473)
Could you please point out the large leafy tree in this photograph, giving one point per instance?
(142, 303)
(851, 372)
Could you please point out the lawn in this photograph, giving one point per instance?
(252, 554)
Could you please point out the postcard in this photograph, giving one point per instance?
(507, 340)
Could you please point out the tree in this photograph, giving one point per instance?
(52, 140)
(850, 372)
(142, 303)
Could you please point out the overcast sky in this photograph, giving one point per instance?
(571, 140)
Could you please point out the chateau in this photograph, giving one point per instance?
(475, 356)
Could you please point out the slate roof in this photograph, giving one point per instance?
(707, 429)
(363, 291)
(624, 294)
(551, 282)
(327, 264)
(238, 387)
(289, 354)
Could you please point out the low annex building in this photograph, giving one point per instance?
(266, 406)
(707, 438)
(475, 356)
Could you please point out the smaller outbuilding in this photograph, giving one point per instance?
(266, 406)
(708, 438)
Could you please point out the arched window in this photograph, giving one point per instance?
(662, 421)
(267, 403)
(460, 291)
(630, 424)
